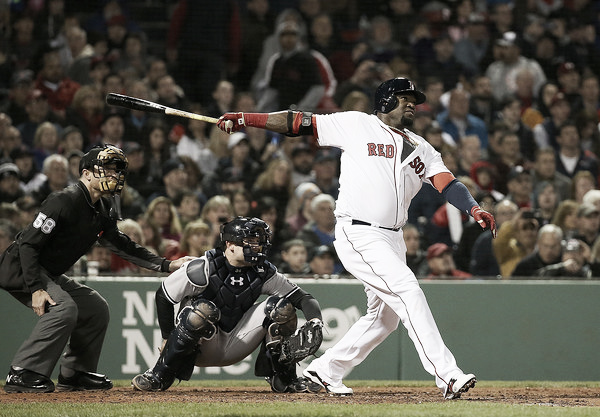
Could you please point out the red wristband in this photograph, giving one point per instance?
(256, 119)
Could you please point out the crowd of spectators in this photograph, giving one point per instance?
(513, 106)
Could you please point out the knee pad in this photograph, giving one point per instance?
(199, 319)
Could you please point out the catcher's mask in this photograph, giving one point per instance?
(252, 234)
(109, 164)
(385, 95)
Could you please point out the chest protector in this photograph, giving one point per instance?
(233, 290)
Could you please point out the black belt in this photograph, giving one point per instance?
(393, 229)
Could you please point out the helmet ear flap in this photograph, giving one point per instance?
(389, 103)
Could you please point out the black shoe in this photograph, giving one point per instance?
(27, 381)
(148, 381)
(84, 381)
(295, 385)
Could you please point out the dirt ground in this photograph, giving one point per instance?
(560, 397)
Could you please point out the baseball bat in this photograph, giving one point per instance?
(135, 103)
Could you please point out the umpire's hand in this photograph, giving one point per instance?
(39, 300)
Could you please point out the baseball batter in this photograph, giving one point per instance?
(383, 166)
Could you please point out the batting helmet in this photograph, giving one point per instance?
(385, 96)
(240, 229)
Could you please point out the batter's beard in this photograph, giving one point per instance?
(406, 121)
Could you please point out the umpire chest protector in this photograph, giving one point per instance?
(233, 290)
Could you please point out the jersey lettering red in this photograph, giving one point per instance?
(371, 147)
(380, 149)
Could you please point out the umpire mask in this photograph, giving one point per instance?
(109, 164)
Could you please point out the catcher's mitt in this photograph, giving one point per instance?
(304, 342)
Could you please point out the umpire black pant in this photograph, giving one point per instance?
(81, 314)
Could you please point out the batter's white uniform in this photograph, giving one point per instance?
(381, 171)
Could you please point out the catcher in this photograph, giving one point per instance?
(220, 322)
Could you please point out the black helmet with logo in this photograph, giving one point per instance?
(240, 229)
(385, 95)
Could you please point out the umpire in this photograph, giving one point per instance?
(71, 314)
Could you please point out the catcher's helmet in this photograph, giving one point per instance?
(385, 95)
(240, 229)
(106, 157)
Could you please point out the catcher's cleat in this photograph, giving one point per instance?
(148, 381)
(23, 380)
(84, 381)
(459, 385)
(340, 389)
(304, 385)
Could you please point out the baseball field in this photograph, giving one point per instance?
(371, 398)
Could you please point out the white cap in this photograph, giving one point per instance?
(236, 138)
(302, 188)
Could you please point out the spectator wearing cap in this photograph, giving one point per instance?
(116, 33)
(515, 240)
(569, 83)
(588, 224)
(519, 185)
(581, 35)
(294, 257)
(574, 262)
(21, 84)
(112, 130)
(322, 261)
(320, 230)
(441, 264)
(30, 176)
(73, 157)
(71, 139)
(470, 50)
(548, 250)
(174, 179)
(302, 164)
(56, 86)
(56, 170)
(303, 195)
(545, 132)
(509, 62)
(325, 168)
(570, 157)
(10, 185)
(284, 86)
(137, 172)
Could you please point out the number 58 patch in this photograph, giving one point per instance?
(44, 223)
